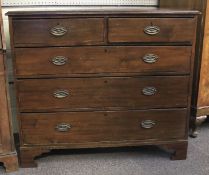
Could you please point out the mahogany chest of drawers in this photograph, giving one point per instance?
(103, 78)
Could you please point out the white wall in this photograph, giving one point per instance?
(78, 2)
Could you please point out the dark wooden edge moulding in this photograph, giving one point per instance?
(106, 11)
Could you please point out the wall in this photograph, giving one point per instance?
(78, 2)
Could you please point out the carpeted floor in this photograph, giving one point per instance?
(140, 161)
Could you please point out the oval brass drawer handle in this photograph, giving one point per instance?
(61, 93)
(148, 124)
(58, 31)
(59, 60)
(149, 91)
(150, 58)
(152, 30)
(63, 127)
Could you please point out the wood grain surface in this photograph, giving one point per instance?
(132, 29)
(102, 93)
(109, 59)
(79, 31)
(102, 126)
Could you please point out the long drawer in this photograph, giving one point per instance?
(102, 93)
(82, 127)
(58, 32)
(151, 30)
(124, 59)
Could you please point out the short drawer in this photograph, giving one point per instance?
(118, 59)
(84, 127)
(151, 29)
(58, 32)
(102, 93)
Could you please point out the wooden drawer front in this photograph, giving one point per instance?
(81, 127)
(102, 93)
(38, 32)
(79, 60)
(151, 29)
